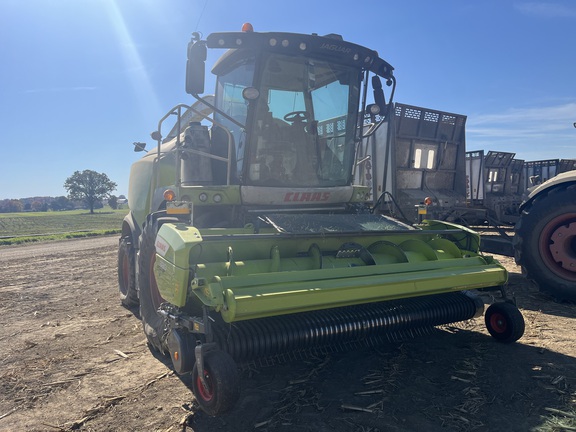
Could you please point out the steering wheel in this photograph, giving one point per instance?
(296, 116)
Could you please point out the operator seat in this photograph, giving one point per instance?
(306, 151)
(265, 156)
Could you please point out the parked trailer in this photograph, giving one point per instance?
(416, 164)
(417, 167)
(498, 183)
(540, 171)
(493, 187)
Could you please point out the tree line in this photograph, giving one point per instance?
(86, 189)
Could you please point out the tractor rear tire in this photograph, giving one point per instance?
(545, 242)
(150, 298)
(126, 273)
(223, 383)
(504, 322)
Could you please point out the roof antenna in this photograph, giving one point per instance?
(201, 14)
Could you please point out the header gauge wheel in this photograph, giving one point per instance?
(504, 322)
(221, 387)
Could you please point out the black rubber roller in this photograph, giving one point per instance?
(259, 338)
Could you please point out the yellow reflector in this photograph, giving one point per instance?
(178, 207)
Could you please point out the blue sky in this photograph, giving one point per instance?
(80, 80)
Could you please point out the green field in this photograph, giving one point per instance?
(18, 228)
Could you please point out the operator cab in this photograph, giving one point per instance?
(300, 125)
(290, 103)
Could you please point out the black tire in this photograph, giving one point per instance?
(150, 298)
(127, 273)
(504, 322)
(223, 382)
(545, 242)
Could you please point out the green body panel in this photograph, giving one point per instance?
(142, 179)
(171, 268)
(150, 177)
(171, 280)
(262, 295)
(244, 275)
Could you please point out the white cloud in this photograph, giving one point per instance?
(525, 120)
(546, 9)
(60, 89)
(533, 133)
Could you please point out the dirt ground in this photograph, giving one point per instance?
(72, 358)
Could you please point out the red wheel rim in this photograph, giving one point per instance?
(498, 323)
(206, 393)
(557, 246)
(157, 299)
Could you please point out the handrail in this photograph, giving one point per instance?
(157, 135)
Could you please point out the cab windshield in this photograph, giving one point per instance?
(303, 123)
(300, 132)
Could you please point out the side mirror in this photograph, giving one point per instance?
(378, 92)
(195, 66)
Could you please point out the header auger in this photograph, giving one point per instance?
(250, 239)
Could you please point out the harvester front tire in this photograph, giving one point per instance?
(504, 322)
(150, 298)
(127, 273)
(223, 383)
(545, 242)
